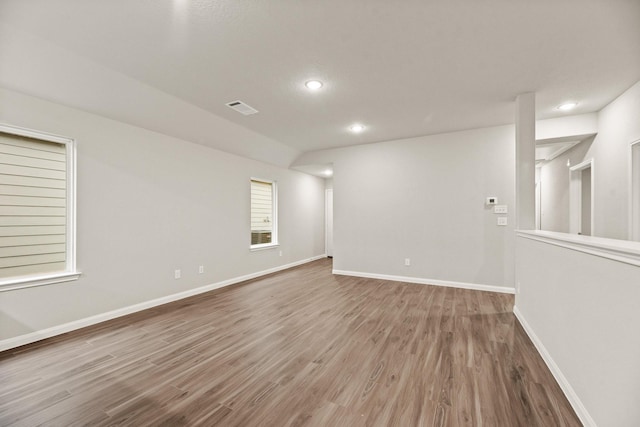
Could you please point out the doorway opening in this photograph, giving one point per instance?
(581, 199)
(328, 215)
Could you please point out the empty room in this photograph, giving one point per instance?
(327, 213)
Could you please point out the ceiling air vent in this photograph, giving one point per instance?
(241, 107)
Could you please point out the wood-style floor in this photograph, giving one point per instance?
(300, 347)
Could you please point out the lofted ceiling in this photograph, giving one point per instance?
(402, 68)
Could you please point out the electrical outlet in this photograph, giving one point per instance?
(407, 262)
(502, 220)
(177, 274)
(500, 209)
(201, 269)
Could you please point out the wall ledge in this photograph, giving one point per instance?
(618, 250)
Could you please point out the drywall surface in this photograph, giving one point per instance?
(424, 199)
(38, 67)
(567, 127)
(328, 183)
(583, 309)
(555, 178)
(618, 127)
(148, 204)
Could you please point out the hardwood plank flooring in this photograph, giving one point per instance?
(297, 348)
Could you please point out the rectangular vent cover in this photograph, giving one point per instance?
(241, 107)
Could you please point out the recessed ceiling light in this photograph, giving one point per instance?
(328, 172)
(356, 128)
(567, 106)
(313, 84)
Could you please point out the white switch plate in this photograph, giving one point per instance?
(407, 261)
(502, 220)
(177, 274)
(201, 269)
(500, 209)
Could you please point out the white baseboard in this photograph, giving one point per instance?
(562, 381)
(462, 285)
(88, 321)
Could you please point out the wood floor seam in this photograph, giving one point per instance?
(301, 347)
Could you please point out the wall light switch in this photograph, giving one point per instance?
(201, 269)
(500, 209)
(177, 274)
(502, 220)
(407, 261)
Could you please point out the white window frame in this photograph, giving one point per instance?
(274, 232)
(70, 272)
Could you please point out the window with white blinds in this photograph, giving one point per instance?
(36, 229)
(263, 214)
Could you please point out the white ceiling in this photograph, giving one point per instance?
(402, 68)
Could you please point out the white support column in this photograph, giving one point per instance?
(526, 161)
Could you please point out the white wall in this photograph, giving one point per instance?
(583, 309)
(328, 183)
(618, 127)
(149, 204)
(554, 179)
(567, 126)
(424, 199)
(38, 67)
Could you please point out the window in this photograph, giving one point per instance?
(37, 208)
(264, 219)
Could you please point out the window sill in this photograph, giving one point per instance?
(264, 247)
(29, 282)
(617, 250)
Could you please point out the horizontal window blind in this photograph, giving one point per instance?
(261, 206)
(262, 213)
(33, 206)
